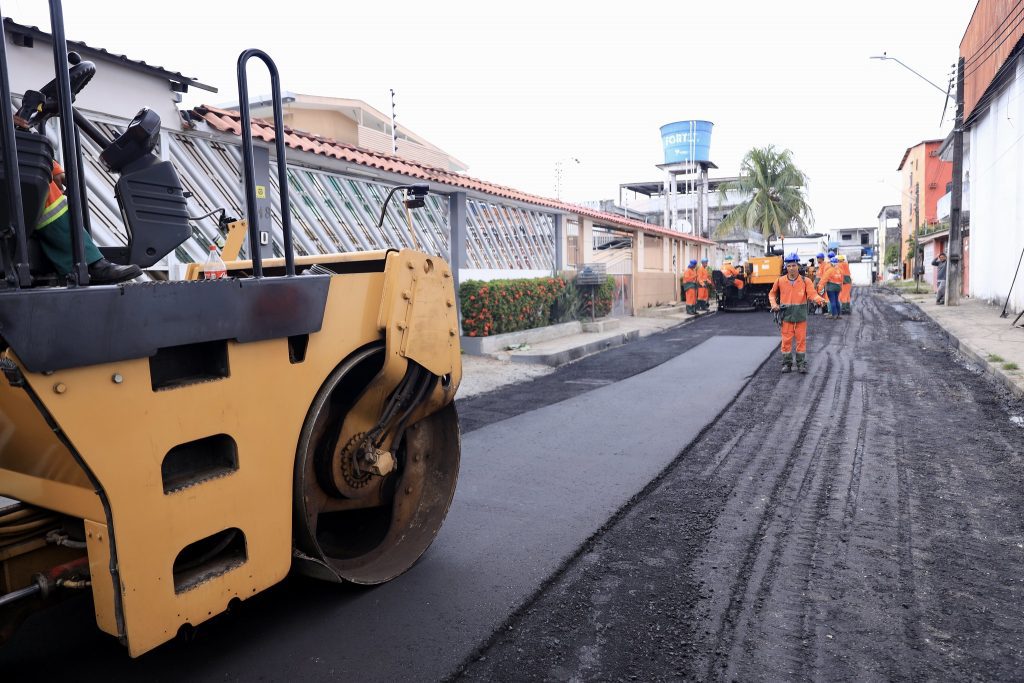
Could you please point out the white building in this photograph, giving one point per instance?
(993, 154)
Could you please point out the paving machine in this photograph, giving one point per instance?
(173, 447)
(758, 275)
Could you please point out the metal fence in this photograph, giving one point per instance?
(331, 211)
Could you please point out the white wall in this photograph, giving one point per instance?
(860, 273)
(996, 203)
(930, 271)
(114, 90)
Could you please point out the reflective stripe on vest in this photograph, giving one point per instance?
(52, 212)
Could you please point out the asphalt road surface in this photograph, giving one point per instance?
(672, 509)
(863, 522)
(541, 473)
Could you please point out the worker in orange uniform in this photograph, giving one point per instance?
(791, 295)
(704, 285)
(730, 273)
(815, 274)
(845, 306)
(690, 287)
(831, 284)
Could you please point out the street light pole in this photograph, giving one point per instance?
(886, 58)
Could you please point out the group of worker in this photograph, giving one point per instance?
(697, 286)
(831, 277)
(793, 294)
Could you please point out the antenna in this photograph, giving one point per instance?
(394, 125)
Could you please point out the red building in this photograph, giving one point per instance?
(923, 180)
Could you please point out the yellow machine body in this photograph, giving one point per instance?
(764, 270)
(91, 442)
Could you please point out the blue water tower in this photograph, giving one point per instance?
(686, 141)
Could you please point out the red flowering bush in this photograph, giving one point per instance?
(501, 306)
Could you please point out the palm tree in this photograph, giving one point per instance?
(776, 187)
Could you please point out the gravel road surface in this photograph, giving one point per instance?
(863, 522)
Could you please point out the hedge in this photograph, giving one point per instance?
(501, 306)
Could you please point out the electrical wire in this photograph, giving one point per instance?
(978, 65)
(992, 35)
(223, 211)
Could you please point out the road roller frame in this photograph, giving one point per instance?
(180, 445)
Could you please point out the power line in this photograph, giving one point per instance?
(993, 34)
(992, 51)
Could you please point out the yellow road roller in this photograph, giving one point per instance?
(171, 447)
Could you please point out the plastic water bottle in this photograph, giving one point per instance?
(214, 267)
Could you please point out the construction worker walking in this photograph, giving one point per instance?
(690, 287)
(831, 284)
(789, 299)
(845, 304)
(704, 285)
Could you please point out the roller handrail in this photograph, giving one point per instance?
(249, 165)
(16, 267)
(69, 145)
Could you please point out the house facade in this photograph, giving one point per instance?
(356, 123)
(993, 155)
(924, 176)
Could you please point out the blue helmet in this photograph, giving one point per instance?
(831, 254)
(693, 263)
(820, 255)
(705, 259)
(833, 259)
(792, 258)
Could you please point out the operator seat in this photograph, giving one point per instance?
(149, 192)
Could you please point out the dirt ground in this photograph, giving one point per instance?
(865, 521)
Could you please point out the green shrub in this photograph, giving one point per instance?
(566, 306)
(603, 301)
(1010, 366)
(501, 306)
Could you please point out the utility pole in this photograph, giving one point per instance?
(918, 252)
(954, 269)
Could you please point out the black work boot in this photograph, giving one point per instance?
(103, 272)
(787, 367)
(801, 363)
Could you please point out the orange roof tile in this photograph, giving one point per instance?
(230, 122)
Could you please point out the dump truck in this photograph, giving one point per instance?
(172, 447)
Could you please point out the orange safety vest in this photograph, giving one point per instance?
(56, 201)
(797, 291)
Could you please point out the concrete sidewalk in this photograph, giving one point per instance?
(555, 352)
(976, 329)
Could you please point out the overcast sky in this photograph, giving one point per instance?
(511, 88)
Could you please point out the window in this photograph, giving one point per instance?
(847, 237)
(864, 238)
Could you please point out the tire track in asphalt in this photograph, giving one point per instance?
(726, 635)
(798, 542)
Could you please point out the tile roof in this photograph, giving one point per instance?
(228, 121)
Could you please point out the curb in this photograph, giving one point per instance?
(968, 350)
(562, 357)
